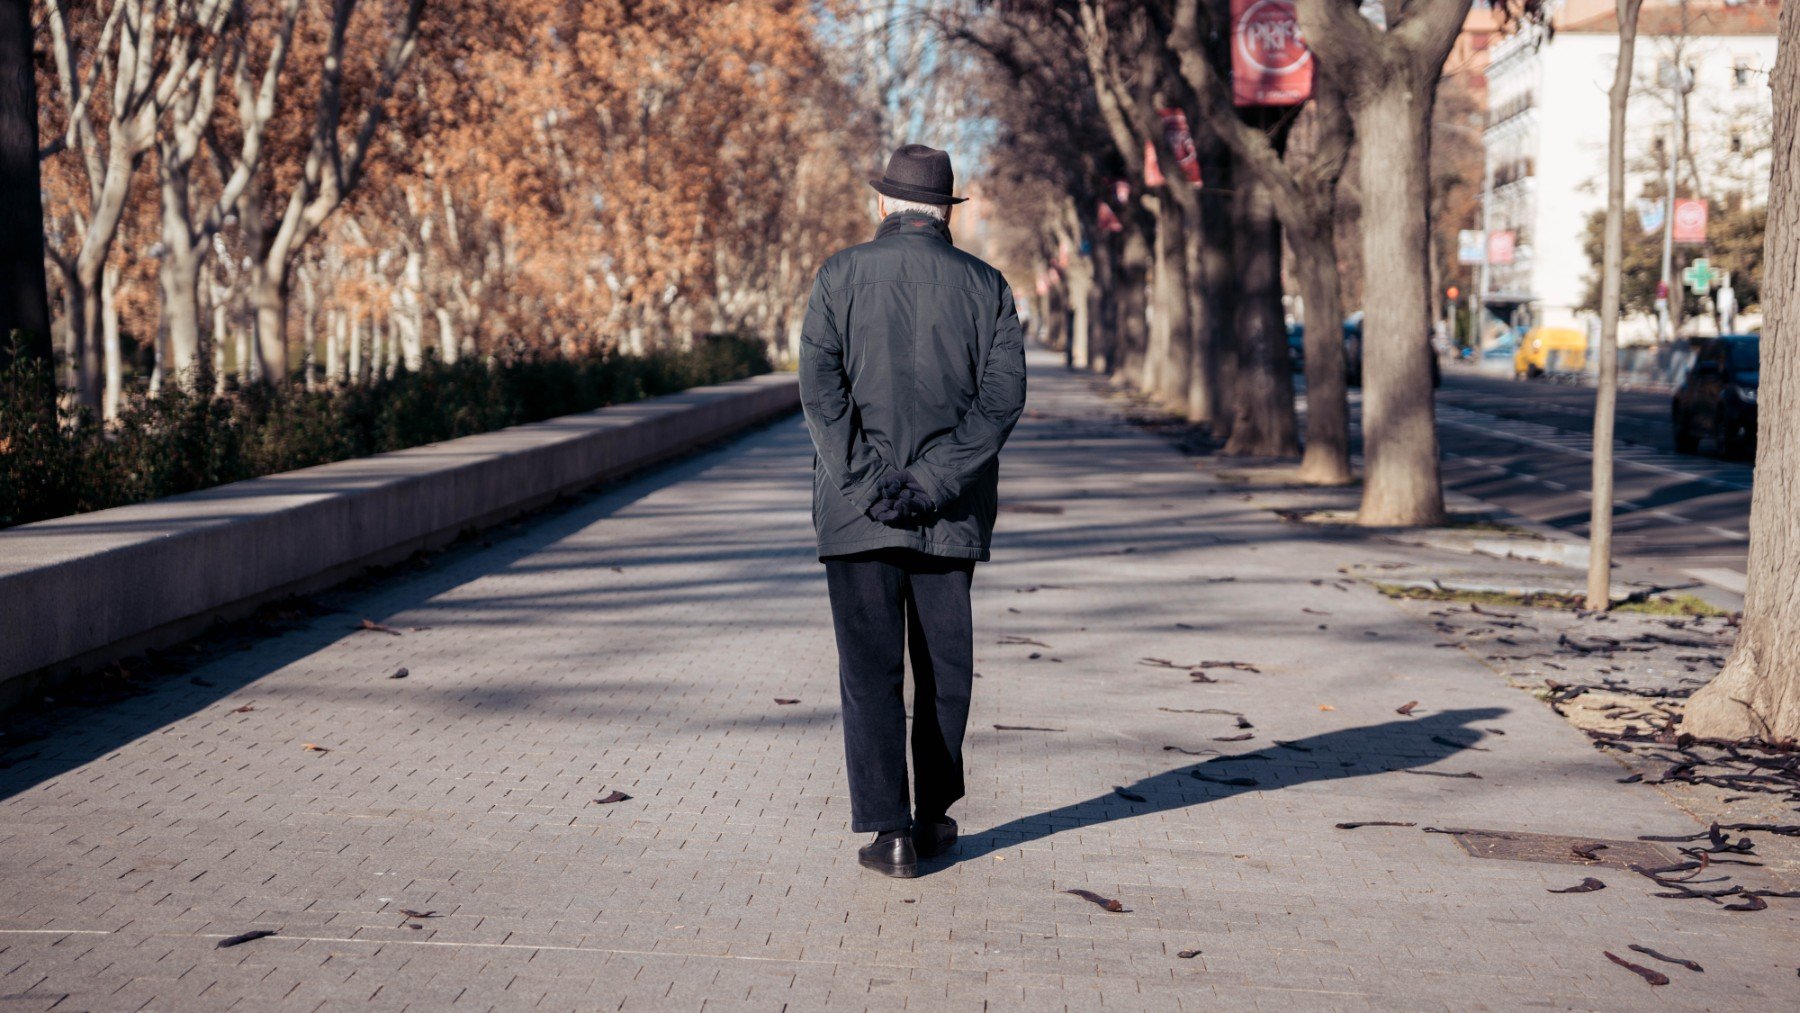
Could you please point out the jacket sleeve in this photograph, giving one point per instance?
(852, 464)
(948, 465)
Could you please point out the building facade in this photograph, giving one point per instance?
(1546, 139)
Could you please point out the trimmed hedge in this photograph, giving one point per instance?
(179, 442)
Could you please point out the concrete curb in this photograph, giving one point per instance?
(78, 591)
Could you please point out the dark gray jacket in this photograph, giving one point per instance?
(911, 359)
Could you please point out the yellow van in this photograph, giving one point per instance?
(1550, 350)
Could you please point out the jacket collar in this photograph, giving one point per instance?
(913, 223)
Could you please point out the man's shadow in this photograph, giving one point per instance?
(1404, 744)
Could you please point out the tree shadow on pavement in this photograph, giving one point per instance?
(1350, 752)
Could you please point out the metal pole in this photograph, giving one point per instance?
(1478, 298)
(1663, 326)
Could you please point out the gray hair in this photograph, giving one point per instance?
(896, 205)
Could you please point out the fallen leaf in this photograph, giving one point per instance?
(1105, 902)
(784, 701)
(1588, 885)
(1406, 708)
(1188, 954)
(243, 937)
(400, 674)
(1191, 752)
(1438, 773)
(375, 627)
(309, 747)
(1587, 852)
(1653, 977)
(1648, 952)
(1751, 903)
(1025, 728)
(1234, 738)
(1326, 707)
(1374, 823)
(245, 709)
(408, 912)
(1130, 796)
(613, 796)
(1244, 722)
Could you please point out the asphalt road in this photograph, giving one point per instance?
(1526, 445)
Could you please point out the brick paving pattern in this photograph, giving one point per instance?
(637, 642)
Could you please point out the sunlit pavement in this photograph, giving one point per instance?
(434, 841)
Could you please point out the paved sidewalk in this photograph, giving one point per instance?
(638, 642)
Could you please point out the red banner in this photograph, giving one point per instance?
(1500, 248)
(1690, 221)
(1180, 141)
(1270, 64)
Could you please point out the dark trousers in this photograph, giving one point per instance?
(885, 604)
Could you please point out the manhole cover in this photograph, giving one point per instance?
(1521, 846)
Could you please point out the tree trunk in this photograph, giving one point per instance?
(1263, 403)
(1400, 447)
(269, 298)
(1327, 457)
(1175, 293)
(109, 339)
(1599, 583)
(24, 299)
(179, 274)
(1132, 284)
(1758, 693)
(1219, 290)
(1159, 289)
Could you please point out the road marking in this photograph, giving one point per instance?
(1509, 432)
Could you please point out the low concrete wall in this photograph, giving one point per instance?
(77, 591)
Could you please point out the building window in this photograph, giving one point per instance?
(1740, 73)
(1737, 143)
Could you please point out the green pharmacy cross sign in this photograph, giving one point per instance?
(1699, 276)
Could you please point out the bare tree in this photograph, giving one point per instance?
(148, 49)
(1599, 589)
(1390, 78)
(188, 225)
(1758, 692)
(332, 170)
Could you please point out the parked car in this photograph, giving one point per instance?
(1717, 398)
(1550, 350)
(1353, 345)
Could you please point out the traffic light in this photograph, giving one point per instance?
(1452, 292)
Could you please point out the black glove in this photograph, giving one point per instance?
(899, 499)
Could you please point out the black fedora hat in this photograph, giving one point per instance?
(919, 174)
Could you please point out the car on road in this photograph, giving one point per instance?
(1717, 398)
(1546, 350)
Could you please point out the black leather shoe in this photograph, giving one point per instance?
(934, 837)
(890, 856)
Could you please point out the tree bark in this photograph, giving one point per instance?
(1263, 405)
(1758, 692)
(1326, 460)
(1599, 582)
(1389, 80)
(24, 298)
(1401, 485)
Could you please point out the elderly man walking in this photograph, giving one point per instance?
(912, 374)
